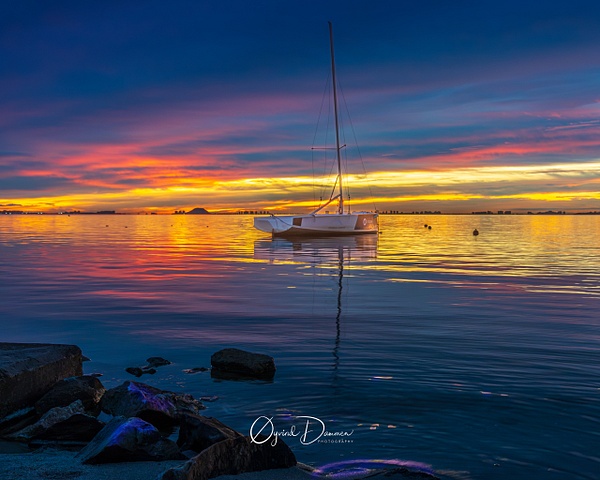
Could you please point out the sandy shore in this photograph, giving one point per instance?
(48, 464)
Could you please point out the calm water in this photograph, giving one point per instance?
(478, 356)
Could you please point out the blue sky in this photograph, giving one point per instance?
(456, 106)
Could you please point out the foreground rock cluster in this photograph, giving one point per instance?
(142, 420)
(47, 401)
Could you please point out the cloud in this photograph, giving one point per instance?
(115, 99)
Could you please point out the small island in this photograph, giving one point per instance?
(198, 211)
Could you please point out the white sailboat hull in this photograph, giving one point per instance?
(323, 224)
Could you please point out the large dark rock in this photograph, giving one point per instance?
(69, 423)
(232, 457)
(197, 432)
(88, 389)
(159, 407)
(234, 362)
(28, 370)
(128, 440)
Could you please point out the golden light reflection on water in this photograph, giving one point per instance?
(151, 255)
(534, 246)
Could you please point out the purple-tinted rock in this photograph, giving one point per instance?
(159, 407)
(400, 473)
(233, 457)
(197, 432)
(86, 388)
(128, 440)
(232, 361)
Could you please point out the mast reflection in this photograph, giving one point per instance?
(334, 253)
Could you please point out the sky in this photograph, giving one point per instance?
(139, 106)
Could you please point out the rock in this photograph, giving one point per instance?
(195, 370)
(128, 440)
(211, 398)
(138, 372)
(157, 362)
(375, 469)
(59, 422)
(80, 427)
(17, 421)
(197, 432)
(153, 363)
(28, 370)
(186, 403)
(400, 473)
(159, 407)
(233, 457)
(232, 361)
(88, 389)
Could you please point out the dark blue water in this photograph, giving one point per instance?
(478, 356)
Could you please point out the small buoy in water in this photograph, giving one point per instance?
(425, 225)
(475, 232)
(429, 227)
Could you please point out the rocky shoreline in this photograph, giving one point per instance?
(74, 424)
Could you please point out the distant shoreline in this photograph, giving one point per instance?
(387, 212)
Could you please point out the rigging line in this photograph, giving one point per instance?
(358, 150)
(326, 94)
(326, 88)
(333, 189)
(329, 116)
(323, 185)
(312, 162)
(345, 154)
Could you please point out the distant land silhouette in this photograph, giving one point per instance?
(198, 211)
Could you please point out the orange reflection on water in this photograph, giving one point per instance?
(221, 263)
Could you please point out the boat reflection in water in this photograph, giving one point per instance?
(327, 254)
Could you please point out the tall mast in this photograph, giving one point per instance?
(337, 127)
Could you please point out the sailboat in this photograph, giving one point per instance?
(317, 223)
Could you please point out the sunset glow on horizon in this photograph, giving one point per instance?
(155, 109)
